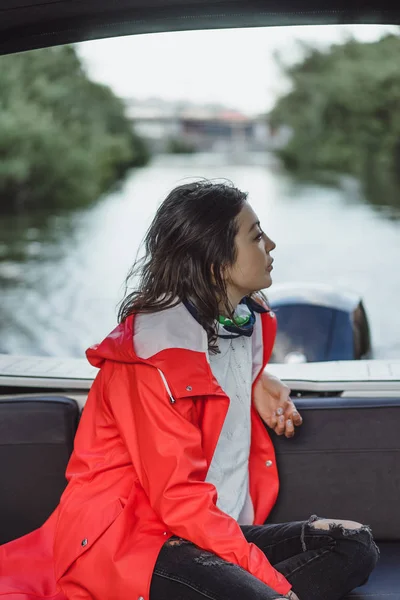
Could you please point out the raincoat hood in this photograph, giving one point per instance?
(171, 338)
(165, 340)
(117, 346)
(144, 335)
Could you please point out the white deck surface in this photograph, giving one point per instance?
(77, 374)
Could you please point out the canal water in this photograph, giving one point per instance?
(62, 275)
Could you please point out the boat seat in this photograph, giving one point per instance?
(36, 440)
(343, 463)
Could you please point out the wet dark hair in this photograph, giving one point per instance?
(188, 244)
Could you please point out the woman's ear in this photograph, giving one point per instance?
(226, 274)
(223, 273)
(212, 275)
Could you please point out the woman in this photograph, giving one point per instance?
(173, 472)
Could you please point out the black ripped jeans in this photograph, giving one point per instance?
(320, 564)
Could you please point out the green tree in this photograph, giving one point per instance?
(343, 108)
(64, 139)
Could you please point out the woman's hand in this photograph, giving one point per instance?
(272, 401)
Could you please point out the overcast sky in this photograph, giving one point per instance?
(235, 67)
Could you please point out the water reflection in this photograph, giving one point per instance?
(61, 275)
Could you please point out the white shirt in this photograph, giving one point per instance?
(229, 469)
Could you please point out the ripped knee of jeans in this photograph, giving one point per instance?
(175, 541)
(343, 527)
(346, 527)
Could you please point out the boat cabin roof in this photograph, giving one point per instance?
(29, 24)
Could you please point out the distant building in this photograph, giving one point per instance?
(204, 128)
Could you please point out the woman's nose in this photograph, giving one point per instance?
(269, 244)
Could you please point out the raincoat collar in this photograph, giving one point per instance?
(233, 331)
(173, 342)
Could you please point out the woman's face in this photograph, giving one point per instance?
(251, 271)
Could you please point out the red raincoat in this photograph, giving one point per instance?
(137, 474)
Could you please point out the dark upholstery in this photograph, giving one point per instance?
(344, 463)
(36, 440)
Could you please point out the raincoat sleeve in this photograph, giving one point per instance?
(166, 450)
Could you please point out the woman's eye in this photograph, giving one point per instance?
(259, 236)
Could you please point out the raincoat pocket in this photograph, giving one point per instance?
(78, 532)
